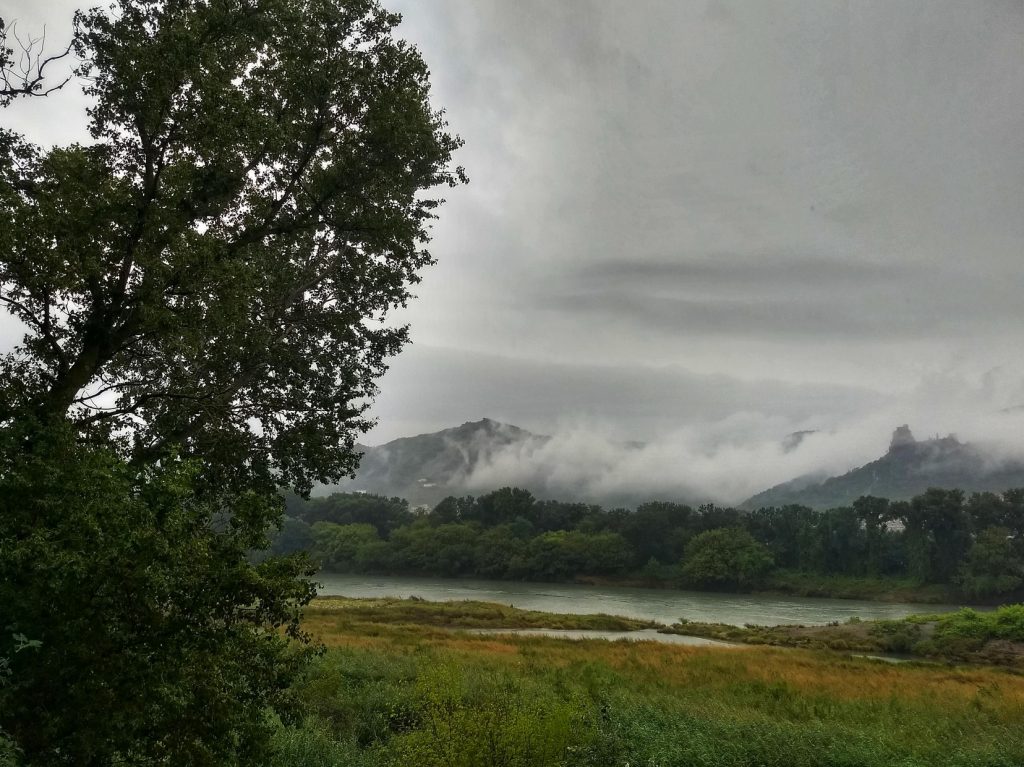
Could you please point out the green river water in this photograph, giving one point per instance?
(663, 605)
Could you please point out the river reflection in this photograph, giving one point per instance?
(662, 605)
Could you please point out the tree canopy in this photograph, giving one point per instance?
(213, 269)
(872, 543)
(204, 286)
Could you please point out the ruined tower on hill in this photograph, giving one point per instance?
(902, 438)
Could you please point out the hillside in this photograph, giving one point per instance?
(908, 468)
(428, 467)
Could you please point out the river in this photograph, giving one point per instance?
(662, 605)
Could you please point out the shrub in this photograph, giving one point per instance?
(725, 557)
(896, 636)
(494, 720)
(1008, 622)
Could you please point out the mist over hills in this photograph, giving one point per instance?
(908, 468)
(425, 468)
(479, 456)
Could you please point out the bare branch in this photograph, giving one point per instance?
(23, 74)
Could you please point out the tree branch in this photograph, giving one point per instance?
(24, 75)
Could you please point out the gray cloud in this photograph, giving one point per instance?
(728, 459)
(722, 269)
(429, 386)
(792, 298)
(683, 211)
(819, 192)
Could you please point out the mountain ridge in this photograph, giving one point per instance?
(908, 468)
(426, 468)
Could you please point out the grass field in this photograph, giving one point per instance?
(393, 693)
(881, 589)
(994, 637)
(352, 613)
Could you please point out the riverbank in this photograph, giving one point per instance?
(358, 613)
(388, 694)
(966, 636)
(787, 583)
(664, 606)
(798, 584)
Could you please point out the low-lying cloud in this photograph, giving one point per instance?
(730, 459)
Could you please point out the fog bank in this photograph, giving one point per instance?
(726, 460)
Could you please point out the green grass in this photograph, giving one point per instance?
(460, 614)
(876, 588)
(395, 697)
(995, 637)
(796, 583)
(1003, 623)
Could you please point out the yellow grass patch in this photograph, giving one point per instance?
(672, 666)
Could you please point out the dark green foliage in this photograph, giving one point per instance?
(788, 532)
(842, 542)
(443, 549)
(547, 516)
(938, 534)
(255, 190)
(658, 530)
(204, 288)
(874, 514)
(451, 509)
(340, 547)
(727, 557)
(500, 551)
(993, 565)
(561, 554)
(153, 636)
(385, 514)
(293, 535)
(500, 507)
(935, 548)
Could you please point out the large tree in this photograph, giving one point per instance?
(210, 272)
(203, 287)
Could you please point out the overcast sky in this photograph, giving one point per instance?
(679, 211)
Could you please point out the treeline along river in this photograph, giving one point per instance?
(943, 546)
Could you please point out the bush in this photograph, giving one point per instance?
(1008, 622)
(313, 745)
(725, 557)
(1005, 622)
(896, 636)
(965, 624)
(422, 710)
(134, 611)
(496, 721)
